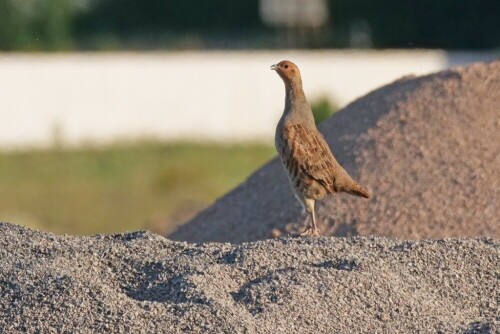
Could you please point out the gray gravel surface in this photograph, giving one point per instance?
(428, 149)
(143, 283)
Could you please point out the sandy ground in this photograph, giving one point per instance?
(426, 147)
(143, 283)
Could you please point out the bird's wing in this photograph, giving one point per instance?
(310, 154)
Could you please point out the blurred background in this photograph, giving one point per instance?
(123, 115)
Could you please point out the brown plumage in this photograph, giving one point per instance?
(311, 167)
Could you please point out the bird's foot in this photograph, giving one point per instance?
(310, 232)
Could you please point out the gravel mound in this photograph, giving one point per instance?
(426, 147)
(143, 283)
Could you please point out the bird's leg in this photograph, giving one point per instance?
(311, 229)
(315, 231)
(307, 225)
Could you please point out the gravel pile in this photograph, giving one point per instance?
(143, 283)
(428, 148)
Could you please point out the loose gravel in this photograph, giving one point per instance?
(143, 283)
(428, 149)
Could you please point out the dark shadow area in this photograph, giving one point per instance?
(251, 294)
(269, 288)
(158, 283)
(480, 328)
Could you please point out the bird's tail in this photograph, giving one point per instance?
(356, 189)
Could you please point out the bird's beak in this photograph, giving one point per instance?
(274, 67)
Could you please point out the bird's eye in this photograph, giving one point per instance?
(286, 66)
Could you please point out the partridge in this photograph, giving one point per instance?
(312, 170)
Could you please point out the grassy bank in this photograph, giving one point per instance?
(121, 187)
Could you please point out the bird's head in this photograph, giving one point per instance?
(287, 70)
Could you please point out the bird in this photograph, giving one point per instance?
(312, 170)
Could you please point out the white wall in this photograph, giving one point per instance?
(184, 95)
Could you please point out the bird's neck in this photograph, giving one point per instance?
(297, 109)
(294, 94)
